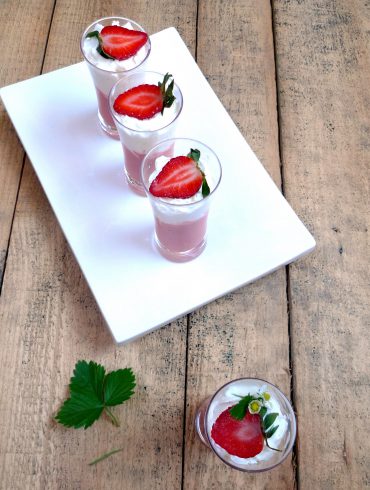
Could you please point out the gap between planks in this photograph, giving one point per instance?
(2, 272)
(295, 455)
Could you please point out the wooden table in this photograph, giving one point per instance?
(295, 77)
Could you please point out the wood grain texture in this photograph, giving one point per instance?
(33, 20)
(49, 320)
(244, 333)
(323, 53)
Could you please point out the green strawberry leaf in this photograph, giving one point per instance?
(239, 410)
(88, 377)
(80, 411)
(167, 93)
(271, 432)
(92, 391)
(118, 386)
(93, 34)
(269, 420)
(194, 154)
(263, 412)
(205, 187)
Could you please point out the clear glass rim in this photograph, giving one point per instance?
(120, 19)
(140, 131)
(294, 427)
(177, 205)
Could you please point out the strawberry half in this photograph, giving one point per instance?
(145, 101)
(118, 42)
(179, 178)
(242, 438)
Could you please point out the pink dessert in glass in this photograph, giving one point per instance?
(180, 188)
(133, 161)
(104, 115)
(145, 108)
(113, 47)
(189, 235)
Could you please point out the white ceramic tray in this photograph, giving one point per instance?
(252, 229)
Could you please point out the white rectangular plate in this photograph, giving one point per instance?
(252, 230)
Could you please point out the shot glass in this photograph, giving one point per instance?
(106, 72)
(139, 136)
(180, 224)
(230, 394)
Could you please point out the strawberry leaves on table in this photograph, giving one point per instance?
(256, 404)
(92, 391)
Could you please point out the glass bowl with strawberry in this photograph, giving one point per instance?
(249, 423)
(146, 107)
(180, 177)
(113, 47)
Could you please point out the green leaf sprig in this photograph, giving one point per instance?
(195, 155)
(167, 93)
(92, 391)
(256, 404)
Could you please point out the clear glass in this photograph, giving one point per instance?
(180, 227)
(139, 136)
(225, 397)
(106, 72)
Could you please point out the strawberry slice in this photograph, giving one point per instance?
(118, 42)
(145, 101)
(142, 102)
(179, 178)
(242, 438)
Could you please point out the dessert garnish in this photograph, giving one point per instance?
(180, 178)
(119, 43)
(92, 391)
(243, 428)
(145, 101)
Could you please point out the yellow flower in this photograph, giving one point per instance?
(254, 406)
(266, 396)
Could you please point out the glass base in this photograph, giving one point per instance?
(179, 256)
(107, 128)
(135, 186)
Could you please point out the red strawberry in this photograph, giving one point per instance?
(179, 178)
(142, 102)
(145, 101)
(242, 438)
(121, 43)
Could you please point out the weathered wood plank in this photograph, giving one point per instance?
(49, 320)
(245, 333)
(21, 57)
(323, 54)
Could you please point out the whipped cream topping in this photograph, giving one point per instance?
(156, 122)
(139, 136)
(91, 43)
